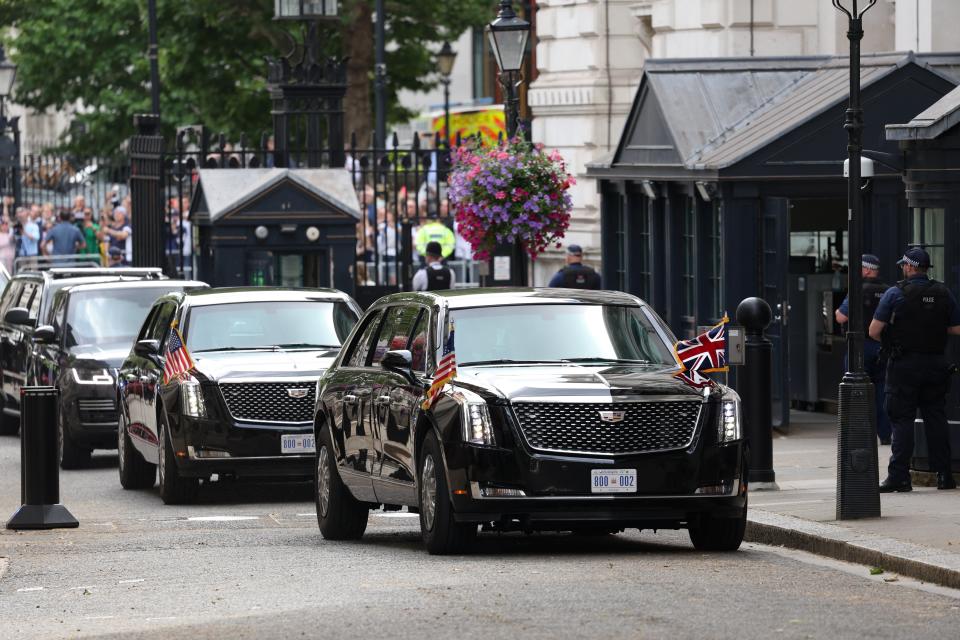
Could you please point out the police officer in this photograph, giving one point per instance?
(435, 275)
(914, 318)
(575, 275)
(873, 290)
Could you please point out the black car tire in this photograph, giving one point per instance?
(135, 472)
(174, 488)
(339, 514)
(69, 453)
(719, 534)
(441, 534)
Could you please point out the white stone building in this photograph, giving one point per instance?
(591, 53)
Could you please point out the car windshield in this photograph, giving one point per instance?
(307, 324)
(109, 315)
(558, 333)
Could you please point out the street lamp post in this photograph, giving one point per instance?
(445, 60)
(857, 476)
(508, 37)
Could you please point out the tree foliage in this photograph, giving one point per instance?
(93, 53)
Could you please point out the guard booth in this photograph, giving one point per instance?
(275, 227)
(930, 144)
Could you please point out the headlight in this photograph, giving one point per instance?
(92, 376)
(729, 428)
(477, 425)
(191, 399)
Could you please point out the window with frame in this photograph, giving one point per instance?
(928, 230)
(714, 260)
(688, 244)
(360, 349)
(643, 250)
(420, 342)
(395, 333)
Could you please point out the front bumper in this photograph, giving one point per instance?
(90, 415)
(557, 489)
(249, 449)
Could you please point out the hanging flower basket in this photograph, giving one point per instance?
(513, 192)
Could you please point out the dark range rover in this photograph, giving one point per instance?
(246, 408)
(565, 415)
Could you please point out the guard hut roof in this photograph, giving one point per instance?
(710, 118)
(932, 123)
(235, 193)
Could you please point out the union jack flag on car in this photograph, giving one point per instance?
(706, 353)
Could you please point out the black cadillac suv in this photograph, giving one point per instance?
(565, 414)
(244, 404)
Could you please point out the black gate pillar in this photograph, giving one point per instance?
(146, 192)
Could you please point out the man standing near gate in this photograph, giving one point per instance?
(873, 290)
(575, 275)
(435, 275)
(913, 321)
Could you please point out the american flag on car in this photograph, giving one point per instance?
(446, 371)
(178, 358)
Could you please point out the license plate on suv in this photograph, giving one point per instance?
(613, 480)
(297, 443)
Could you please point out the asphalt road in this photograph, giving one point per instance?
(249, 562)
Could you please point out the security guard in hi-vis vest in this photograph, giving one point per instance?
(913, 320)
(873, 290)
(575, 275)
(435, 275)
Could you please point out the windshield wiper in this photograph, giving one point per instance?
(614, 360)
(235, 349)
(307, 345)
(503, 361)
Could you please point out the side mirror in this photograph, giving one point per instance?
(44, 334)
(401, 360)
(147, 348)
(18, 316)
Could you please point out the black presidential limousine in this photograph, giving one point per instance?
(565, 414)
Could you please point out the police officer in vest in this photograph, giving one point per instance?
(435, 275)
(873, 290)
(575, 275)
(913, 320)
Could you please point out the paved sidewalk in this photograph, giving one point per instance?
(918, 533)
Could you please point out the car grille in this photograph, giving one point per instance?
(578, 428)
(103, 411)
(269, 401)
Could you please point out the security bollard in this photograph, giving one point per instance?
(754, 387)
(40, 477)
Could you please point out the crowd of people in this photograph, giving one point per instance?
(35, 229)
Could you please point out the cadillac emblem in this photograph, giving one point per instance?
(612, 416)
(297, 394)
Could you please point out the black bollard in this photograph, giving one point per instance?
(754, 387)
(40, 474)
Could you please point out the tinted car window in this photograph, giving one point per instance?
(361, 346)
(30, 298)
(246, 325)
(418, 345)
(395, 333)
(11, 295)
(553, 332)
(99, 316)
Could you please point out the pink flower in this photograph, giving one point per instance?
(500, 195)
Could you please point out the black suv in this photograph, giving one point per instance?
(566, 413)
(86, 335)
(26, 298)
(245, 406)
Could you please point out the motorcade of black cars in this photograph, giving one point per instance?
(565, 414)
(85, 336)
(25, 299)
(245, 407)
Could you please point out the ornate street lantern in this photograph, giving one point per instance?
(8, 75)
(508, 36)
(305, 9)
(445, 60)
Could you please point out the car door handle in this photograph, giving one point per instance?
(350, 398)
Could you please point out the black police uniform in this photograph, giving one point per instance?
(918, 376)
(438, 278)
(579, 276)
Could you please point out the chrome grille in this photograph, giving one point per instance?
(577, 427)
(269, 401)
(100, 411)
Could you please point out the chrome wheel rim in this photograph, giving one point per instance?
(428, 492)
(323, 482)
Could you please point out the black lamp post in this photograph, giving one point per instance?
(445, 60)
(857, 474)
(508, 37)
(8, 75)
